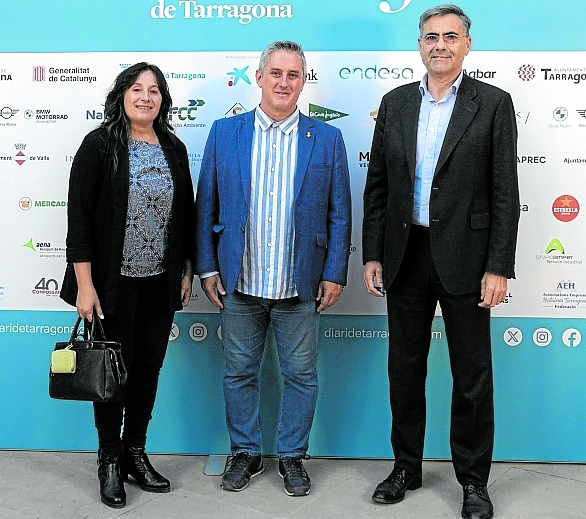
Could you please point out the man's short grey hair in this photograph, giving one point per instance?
(442, 10)
(287, 45)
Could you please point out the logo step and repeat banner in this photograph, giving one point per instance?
(49, 101)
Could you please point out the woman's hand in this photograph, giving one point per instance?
(186, 281)
(185, 290)
(87, 298)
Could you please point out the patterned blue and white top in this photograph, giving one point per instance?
(148, 220)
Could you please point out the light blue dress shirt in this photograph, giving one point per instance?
(434, 117)
(268, 261)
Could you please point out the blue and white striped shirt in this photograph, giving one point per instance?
(267, 262)
(434, 117)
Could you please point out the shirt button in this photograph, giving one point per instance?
(270, 244)
(274, 145)
(271, 193)
(270, 218)
(272, 169)
(268, 269)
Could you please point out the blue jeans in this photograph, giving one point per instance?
(245, 320)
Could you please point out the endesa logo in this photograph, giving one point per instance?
(565, 208)
(376, 72)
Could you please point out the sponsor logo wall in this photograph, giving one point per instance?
(49, 102)
(53, 100)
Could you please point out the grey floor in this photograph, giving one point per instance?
(63, 485)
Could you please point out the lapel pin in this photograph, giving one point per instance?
(308, 135)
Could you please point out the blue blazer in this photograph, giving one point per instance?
(322, 213)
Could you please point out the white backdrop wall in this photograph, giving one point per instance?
(50, 100)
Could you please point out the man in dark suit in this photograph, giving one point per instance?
(441, 209)
(273, 223)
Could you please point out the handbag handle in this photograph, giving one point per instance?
(92, 335)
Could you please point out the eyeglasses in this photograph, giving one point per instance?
(432, 39)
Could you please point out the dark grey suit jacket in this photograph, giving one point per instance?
(474, 204)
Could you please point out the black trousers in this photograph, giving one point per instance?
(141, 323)
(411, 303)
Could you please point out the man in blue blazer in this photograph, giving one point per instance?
(441, 209)
(273, 224)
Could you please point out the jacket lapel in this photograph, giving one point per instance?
(464, 112)
(245, 134)
(410, 122)
(305, 142)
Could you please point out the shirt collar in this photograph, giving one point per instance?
(452, 90)
(285, 125)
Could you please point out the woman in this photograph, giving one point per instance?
(129, 250)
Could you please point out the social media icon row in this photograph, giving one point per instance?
(197, 332)
(542, 337)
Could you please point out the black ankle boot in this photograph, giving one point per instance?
(111, 487)
(136, 463)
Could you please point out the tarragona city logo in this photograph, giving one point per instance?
(565, 208)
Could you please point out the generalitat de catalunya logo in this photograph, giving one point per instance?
(565, 208)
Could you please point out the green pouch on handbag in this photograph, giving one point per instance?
(63, 361)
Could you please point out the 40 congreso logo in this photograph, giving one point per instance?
(243, 13)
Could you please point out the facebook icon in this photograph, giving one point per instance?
(572, 337)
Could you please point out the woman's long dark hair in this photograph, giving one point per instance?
(116, 121)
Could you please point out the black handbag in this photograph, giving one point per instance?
(88, 368)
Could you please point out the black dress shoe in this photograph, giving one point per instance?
(476, 504)
(136, 463)
(112, 491)
(392, 490)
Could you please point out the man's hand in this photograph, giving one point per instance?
(213, 288)
(373, 278)
(493, 290)
(328, 293)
